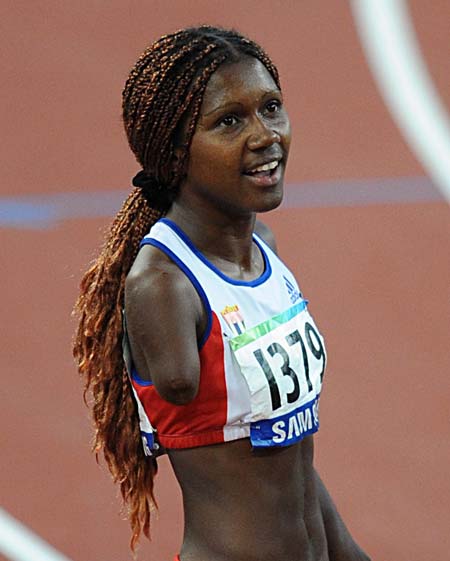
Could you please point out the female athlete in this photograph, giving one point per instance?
(194, 337)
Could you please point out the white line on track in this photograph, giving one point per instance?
(19, 543)
(394, 56)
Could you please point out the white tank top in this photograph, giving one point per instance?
(262, 357)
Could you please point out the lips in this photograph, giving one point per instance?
(263, 166)
(266, 175)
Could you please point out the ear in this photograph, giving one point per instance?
(177, 153)
(177, 156)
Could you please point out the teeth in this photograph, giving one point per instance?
(266, 167)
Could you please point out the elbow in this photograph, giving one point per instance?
(179, 391)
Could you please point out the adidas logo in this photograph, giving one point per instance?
(294, 293)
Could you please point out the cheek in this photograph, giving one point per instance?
(212, 160)
(202, 165)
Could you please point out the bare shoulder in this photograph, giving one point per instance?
(154, 275)
(156, 290)
(266, 234)
(165, 319)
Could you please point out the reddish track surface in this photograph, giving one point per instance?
(377, 276)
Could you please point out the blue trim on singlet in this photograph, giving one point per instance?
(256, 282)
(135, 377)
(191, 277)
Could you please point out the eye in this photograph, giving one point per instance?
(273, 105)
(228, 121)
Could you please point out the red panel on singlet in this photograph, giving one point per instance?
(201, 421)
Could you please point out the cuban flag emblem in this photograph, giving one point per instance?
(234, 319)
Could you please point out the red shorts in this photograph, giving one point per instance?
(177, 558)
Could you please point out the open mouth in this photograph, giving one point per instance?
(265, 170)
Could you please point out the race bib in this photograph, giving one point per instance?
(282, 360)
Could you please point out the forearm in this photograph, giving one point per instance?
(341, 546)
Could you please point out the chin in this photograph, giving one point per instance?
(270, 201)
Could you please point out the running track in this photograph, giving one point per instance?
(367, 234)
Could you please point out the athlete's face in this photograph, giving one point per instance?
(240, 146)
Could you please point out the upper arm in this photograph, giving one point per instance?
(266, 234)
(164, 315)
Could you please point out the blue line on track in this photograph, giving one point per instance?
(46, 211)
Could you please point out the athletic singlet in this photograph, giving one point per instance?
(262, 358)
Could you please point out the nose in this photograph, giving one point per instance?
(262, 135)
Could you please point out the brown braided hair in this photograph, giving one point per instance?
(162, 94)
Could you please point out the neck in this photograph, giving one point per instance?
(217, 234)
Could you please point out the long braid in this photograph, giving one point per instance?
(164, 91)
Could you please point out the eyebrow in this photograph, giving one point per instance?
(223, 107)
(237, 103)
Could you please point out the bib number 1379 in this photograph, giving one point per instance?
(315, 346)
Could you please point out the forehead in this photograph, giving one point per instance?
(246, 79)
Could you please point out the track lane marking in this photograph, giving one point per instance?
(395, 59)
(36, 212)
(19, 543)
